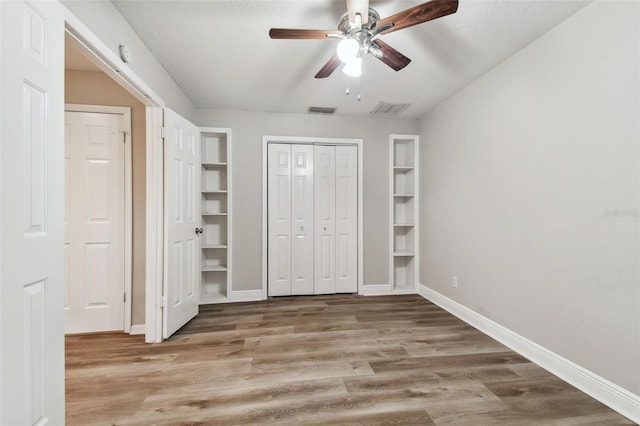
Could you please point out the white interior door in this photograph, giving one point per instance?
(31, 194)
(346, 219)
(302, 219)
(279, 220)
(94, 221)
(181, 293)
(325, 219)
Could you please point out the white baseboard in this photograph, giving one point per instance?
(610, 394)
(377, 289)
(246, 295)
(138, 329)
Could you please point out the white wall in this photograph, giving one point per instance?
(104, 20)
(248, 129)
(530, 193)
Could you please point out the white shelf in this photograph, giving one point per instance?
(212, 294)
(214, 268)
(403, 232)
(213, 246)
(214, 297)
(403, 253)
(213, 165)
(215, 191)
(214, 214)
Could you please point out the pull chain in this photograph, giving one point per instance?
(348, 91)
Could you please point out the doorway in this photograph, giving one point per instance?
(87, 83)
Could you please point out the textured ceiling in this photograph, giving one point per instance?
(220, 54)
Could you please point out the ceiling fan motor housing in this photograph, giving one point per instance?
(347, 27)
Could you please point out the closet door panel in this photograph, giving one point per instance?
(325, 212)
(302, 219)
(346, 221)
(279, 220)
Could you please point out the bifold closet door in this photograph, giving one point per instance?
(290, 220)
(336, 224)
(346, 219)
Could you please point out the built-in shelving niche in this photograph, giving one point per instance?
(403, 212)
(216, 215)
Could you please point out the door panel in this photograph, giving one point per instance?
(325, 194)
(302, 214)
(279, 219)
(182, 266)
(347, 219)
(31, 194)
(94, 221)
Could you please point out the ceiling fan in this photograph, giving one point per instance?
(359, 31)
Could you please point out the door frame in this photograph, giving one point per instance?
(305, 140)
(108, 61)
(128, 196)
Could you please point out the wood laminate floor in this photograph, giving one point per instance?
(339, 360)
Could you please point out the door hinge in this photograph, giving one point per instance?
(124, 298)
(163, 132)
(124, 136)
(163, 300)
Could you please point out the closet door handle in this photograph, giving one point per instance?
(324, 229)
(199, 231)
(302, 228)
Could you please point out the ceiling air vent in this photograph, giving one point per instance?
(321, 110)
(389, 109)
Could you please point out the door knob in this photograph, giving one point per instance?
(324, 229)
(199, 231)
(302, 228)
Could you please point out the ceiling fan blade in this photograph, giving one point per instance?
(285, 33)
(329, 67)
(358, 6)
(391, 56)
(418, 14)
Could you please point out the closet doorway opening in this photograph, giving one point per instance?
(312, 216)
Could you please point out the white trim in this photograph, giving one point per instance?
(377, 289)
(155, 225)
(265, 210)
(266, 139)
(610, 394)
(391, 214)
(246, 295)
(137, 329)
(103, 57)
(360, 217)
(405, 290)
(100, 54)
(128, 197)
(236, 296)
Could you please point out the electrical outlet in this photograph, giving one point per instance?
(454, 282)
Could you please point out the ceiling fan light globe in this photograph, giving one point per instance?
(347, 50)
(353, 68)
